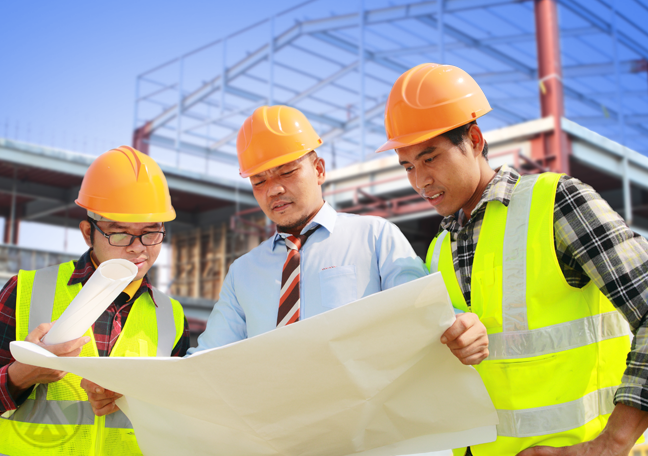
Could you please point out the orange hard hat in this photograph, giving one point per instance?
(273, 136)
(429, 100)
(124, 185)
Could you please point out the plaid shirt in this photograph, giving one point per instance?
(106, 329)
(592, 243)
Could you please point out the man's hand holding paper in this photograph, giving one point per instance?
(24, 376)
(467, 339)
(101, 399)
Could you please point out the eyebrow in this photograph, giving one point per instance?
(426, 151)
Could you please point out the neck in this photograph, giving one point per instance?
(486, 175)
(94, 259)
(296, 229)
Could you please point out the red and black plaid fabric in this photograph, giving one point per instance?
(106, 329)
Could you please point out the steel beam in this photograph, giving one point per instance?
(38, 209)
(51, 159)
(605, 26)
(48, 193)
(193, 149)
(215, 84)
(493, 41)
(552, 99)
(394, 13)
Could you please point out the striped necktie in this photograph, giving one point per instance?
(289, 295)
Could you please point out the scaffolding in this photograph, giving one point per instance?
(338, 67)
(548, 67)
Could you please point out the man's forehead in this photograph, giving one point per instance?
(428, 146)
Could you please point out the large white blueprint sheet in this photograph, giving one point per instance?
(367, 378)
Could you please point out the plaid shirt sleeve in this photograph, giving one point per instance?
(594, 243)
(7, 335)
(182, 346)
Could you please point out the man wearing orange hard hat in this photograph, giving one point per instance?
(318, 259)
(550, 269)
(51, 412)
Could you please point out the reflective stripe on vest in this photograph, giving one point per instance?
(42, 411)
(552, 339)
(514, 312)
(555, 418)
(436, 255)
(165, 323)
(43, 292)
(42, 304)
(57, 412)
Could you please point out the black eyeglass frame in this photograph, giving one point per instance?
(133, 236)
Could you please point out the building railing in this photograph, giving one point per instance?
(13, 258)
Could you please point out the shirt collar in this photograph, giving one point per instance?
(500, 188)
(325, 218)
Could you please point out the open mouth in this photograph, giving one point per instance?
(435, 198)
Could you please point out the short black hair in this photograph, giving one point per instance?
(92, 230)
(459, 134)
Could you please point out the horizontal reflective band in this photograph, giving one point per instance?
(555, 418)
(556, 338)
(118, 420)
(55, 412)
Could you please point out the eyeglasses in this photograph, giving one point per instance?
(126, 239)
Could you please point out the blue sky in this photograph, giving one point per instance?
(68, 68)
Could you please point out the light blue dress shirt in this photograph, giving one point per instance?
(348, 257)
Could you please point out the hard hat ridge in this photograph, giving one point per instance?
(139, 168)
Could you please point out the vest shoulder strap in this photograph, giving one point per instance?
(36, 293)
(434, 252)
(166, 323)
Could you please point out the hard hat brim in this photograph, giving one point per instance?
(278, 161)
(158, 217)
(421, 136)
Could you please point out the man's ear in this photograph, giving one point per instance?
(86, 232)
(320, 168)
(476, 139)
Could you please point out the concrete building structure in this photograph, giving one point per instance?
(566, 79)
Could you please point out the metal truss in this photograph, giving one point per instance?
(338, 70)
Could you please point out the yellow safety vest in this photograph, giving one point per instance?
(557, 353)
(57, 418)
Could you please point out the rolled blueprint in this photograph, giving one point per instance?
(110, 279)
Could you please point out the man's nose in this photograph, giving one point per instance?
(136, 246)
(276, 189)
(423, 178)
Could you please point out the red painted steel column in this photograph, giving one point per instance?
(556, 145)
(140, 138)
(7, 229)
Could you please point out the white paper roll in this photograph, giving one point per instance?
(110, 279)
